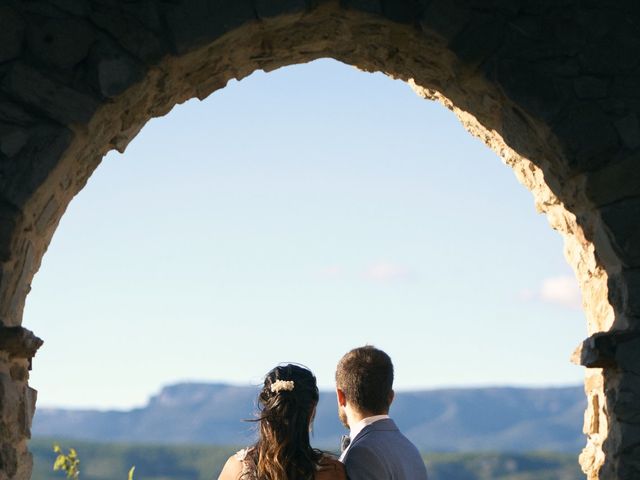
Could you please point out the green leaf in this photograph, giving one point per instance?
(59, 462)
(70, 463)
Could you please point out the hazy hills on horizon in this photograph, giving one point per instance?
(461, 419)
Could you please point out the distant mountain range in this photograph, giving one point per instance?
(470, 419)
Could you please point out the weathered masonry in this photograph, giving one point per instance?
(553, 86)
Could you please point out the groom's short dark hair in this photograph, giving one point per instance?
(365, 375)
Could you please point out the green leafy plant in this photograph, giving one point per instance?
(70, 463)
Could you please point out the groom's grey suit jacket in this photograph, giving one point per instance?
(381, 452)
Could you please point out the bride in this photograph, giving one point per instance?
(287, 403)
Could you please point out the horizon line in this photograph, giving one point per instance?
(322, 390)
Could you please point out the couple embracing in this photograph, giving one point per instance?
(374, 450)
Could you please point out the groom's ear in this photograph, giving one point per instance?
(342, 399)
(392, 395)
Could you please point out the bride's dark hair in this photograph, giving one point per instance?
(283, 451)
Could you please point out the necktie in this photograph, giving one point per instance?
(344, 442)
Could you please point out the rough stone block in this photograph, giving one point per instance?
(629, 130)
(444, 19)
(19, 373)
(402, 11)
(516, 128)
(130, 28)
(509, 7)
(613, 349)
(12, 139)
(624, 174)
(567, 32)
(269, 8)
(590, 87)
(25, 464)
(10, 218)
(58, 101)
(614, 53)
(30, 398)
(531, 87)
(622, 225)
(524, 29)
(116, 75)
(627, 405)
(9, 398)
(36, 160)
(194, 23)
(8, 460)
(481, 37)
(628, 356)
(11, 112)
(47, 215)
(19, 342)
(78, 8)
(597, 21)
(629, 464)
(61, 43)
(560, 67)
(575, 129)
(630, 436)
(597, 351)
(624, 292)
(148, 13)
(11, 33)
(368, 6)
(26, 411)
(41, 9)
(19, 288)
(22, 419)
(626, 86)
(540, 7)
(542, 37)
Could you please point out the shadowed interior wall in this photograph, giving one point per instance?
(551, 86)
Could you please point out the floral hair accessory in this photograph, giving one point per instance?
(280, 385)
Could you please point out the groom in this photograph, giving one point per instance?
(375, 449)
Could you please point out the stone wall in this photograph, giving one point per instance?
(17, 400)
(550, 85)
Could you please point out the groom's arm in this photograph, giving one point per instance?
(362, 463)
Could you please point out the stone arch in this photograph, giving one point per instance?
(550, 86)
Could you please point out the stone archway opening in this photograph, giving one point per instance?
(79, 81)
(175, 219)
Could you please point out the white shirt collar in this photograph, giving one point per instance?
(358, 427)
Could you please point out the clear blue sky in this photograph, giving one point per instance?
(290, 217)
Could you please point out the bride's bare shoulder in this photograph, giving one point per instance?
(330, 469)
(232, 470)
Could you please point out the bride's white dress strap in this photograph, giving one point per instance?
(248, 466)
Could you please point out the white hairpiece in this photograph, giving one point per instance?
(280, 385)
